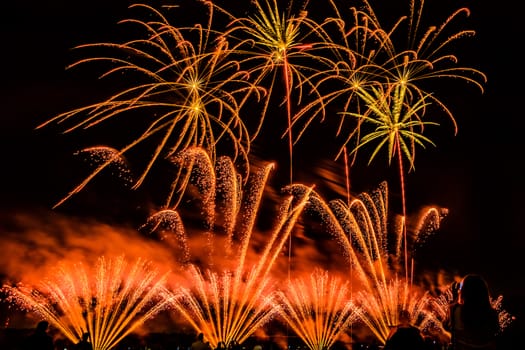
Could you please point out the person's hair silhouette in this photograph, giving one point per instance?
(404, 336)
(40, 340)
(473, 322)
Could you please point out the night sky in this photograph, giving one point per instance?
(476, 174)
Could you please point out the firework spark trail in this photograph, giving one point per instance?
(228, 300)
(170, 224)
(103, 158)
(378, 83)
(374, 252)
(318, 310)
(274, 42)
(187, 91)
(196, 166)
(109, 301)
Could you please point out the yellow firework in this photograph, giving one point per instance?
(407, 54)
(394, 124)
(185, 91)
(280, 43)
(383, 82)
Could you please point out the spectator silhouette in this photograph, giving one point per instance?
(84, 343)
(199, 343)
(234, 345)
(473, 323)
(404, 336)
(40, 339)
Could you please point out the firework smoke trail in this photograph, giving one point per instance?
(109, 301)
(319, 310)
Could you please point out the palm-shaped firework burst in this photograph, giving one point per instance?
(369, 54)
(280, 42)
(185, 92)
(382, 83)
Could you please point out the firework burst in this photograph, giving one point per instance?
(108, 301)
(318, 310)
(231, 293)
(185, 91)
(373, 246)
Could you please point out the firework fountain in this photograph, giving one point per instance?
(318, 310)
(234, 295)
(109, 301)
(372, 244)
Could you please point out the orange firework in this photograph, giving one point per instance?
(230, 293)
(373, 247)
(109, 301)
(319, 311)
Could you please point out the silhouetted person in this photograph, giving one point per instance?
(84, 343)
(199, 343)
(405, 336)
(234, 345)
(40, 340)
(221, 346)
(473, 323)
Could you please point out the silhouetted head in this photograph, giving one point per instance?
(200, 336)
(85, 336)
(474, 290)
(404, 317)
(42, 326)
(477, 312)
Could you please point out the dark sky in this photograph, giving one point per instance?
(476, 174)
